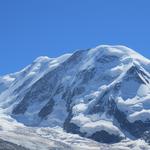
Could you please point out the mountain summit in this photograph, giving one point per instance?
(101, 93)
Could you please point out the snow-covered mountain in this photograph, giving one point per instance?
(101, 93)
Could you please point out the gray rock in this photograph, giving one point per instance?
(4, 145)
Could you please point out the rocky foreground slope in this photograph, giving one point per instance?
(4, 145)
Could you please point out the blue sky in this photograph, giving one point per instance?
(30, 28)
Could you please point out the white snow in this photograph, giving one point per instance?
(143, 115)
(101, 125)
(79, 108)
(136, 109)
(93, 123)
(8, 78)
(143, 90)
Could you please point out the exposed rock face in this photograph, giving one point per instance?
(100, 93)
(105, 137)
(47, 109)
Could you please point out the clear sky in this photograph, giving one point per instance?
(31, 28)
